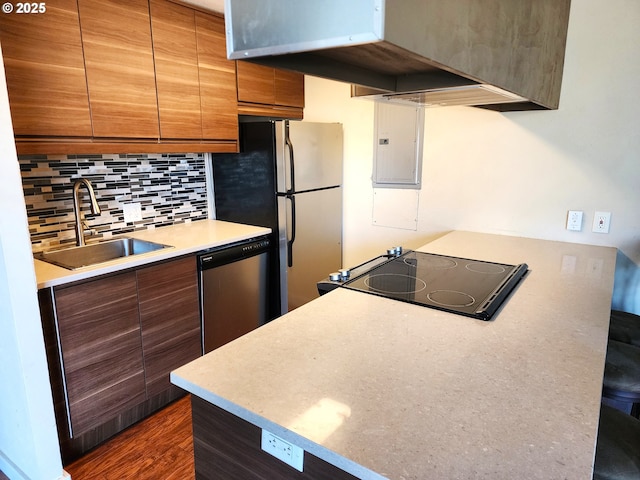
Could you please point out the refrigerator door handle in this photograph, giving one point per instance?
(289, 144)
(292, 238)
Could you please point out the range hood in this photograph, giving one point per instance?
(500, 54)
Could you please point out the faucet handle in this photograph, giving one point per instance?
(87, 230)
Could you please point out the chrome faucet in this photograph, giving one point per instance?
(95, 208)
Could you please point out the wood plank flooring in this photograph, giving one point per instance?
(159, 447)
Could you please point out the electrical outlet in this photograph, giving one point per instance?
(574, 220)
(290, 454)
(601, 222)
(132, 212)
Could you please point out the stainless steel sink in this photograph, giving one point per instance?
(86, 255)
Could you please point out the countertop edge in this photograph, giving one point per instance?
(313, 448)
(203, 237)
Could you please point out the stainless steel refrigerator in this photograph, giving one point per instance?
(287, 176)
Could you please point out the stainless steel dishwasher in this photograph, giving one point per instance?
(233, 290)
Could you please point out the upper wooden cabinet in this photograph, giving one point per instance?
(256, 83)
(269, 91)
(289, 88)
(116, 36)
(45, 73)
(176, 62)
(120, 76)
(195, 81)
(218, 97)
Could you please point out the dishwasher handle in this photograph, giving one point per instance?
(231, 253)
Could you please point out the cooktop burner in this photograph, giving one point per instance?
(465, 286)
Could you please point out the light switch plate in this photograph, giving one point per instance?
(132, 212)
(574, 220)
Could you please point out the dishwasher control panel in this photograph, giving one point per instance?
(257, 245)
(233, 252)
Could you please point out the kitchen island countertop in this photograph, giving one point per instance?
(183, 239)
(386, 389)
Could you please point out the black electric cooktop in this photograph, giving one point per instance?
(474, 288)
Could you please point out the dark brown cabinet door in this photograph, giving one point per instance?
(170, 319)
(101, 348)
(226, 446)
(45, 71)
(116, 36)
(218, 98)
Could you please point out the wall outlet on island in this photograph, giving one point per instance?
(132, 212)
(290, 454)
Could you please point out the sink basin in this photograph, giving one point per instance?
(86, 255)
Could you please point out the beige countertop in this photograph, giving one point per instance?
(183, 239)
(386, 389)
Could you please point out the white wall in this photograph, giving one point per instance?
(519, 173)
(28, 436)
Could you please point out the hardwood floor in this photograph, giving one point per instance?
(159, 447)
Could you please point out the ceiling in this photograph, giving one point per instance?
(216, 5)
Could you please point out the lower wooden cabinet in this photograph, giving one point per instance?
(99, 333)
(226, 446)
(111, 345)
(169, 319)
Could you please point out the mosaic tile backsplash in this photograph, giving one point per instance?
(171, 188)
